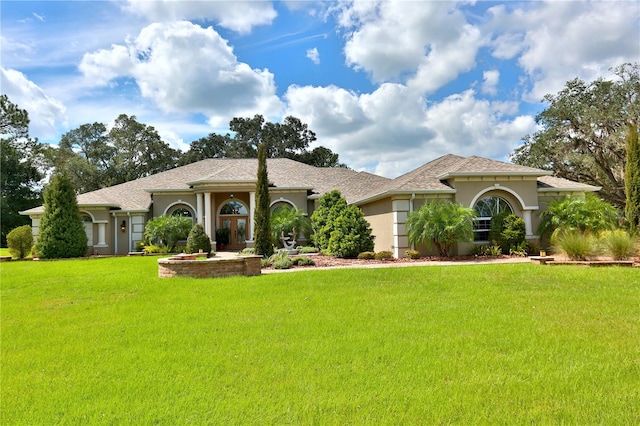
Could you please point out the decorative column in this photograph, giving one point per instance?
(102, 234)
(526, 216)
(207, 214)
(252, 209)
(199, 212)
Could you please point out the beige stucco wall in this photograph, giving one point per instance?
(380, 218)
(468, 190)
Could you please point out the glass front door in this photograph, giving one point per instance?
(237, 227)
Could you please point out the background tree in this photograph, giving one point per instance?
(212, 146)
(441, 224)
(583, 132)
(86, 156)
(62, 232)
(20, 162)
(632, 178)
(262, 236)
(20, 241)
(139, 150)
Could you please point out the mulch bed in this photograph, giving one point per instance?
(323, 261)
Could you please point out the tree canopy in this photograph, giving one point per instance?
(583, 132)
(20, 174)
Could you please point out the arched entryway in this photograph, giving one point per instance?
(233, 226)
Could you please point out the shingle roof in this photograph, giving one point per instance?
(284, 173)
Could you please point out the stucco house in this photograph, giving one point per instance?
(220, 193)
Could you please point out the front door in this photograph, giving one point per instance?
(237, 226)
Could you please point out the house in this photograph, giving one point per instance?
(220, 193)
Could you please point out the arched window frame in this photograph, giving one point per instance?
(486, 211)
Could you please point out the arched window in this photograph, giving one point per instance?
(486, 208)
(181, 211)
(234, 207)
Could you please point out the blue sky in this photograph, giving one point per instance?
(387, 85)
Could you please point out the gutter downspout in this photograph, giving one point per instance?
(115, 233)
(413, 197)
(130, 234)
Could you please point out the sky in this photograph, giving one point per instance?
(387, 85)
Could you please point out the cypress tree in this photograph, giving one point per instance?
(61, 229)
(632, 178)
(262, 215)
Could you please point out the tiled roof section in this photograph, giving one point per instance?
(283, 173)
(552, 183)
(481, 165)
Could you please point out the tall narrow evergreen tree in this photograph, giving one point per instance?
(61, 229)
(632, 178)
(262, 215)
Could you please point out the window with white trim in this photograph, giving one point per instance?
(486, 208)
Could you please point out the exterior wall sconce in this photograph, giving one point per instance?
(123, 226)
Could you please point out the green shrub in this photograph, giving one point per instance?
(441, 224)
(340, 229)
(152, 248)
(282, 264)
(521, 249)
(367, 255)
(477, 250)
(140, 245)
(619, 244)
(307, 250)
(303, 261)
(198, 240)
(575, 244)
(62, 233)
(248, 251)
(507, 231)
(167, 230)
(383, 255)
(265, 263)
(412, 254)
(20, 241)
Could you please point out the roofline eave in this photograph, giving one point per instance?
(449, 175)
(391, 193)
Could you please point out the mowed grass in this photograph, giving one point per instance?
(105, 341)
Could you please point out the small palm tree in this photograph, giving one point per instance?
(441, 224)
(588, 214)
(285, 219)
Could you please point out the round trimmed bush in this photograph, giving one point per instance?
(20, 241)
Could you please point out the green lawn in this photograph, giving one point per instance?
(104, 341)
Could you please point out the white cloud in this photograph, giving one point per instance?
(394, 41)
(239, 16)
(45, 112)
(490, 83)
(391, 130)
(183, 67)
(314, 55)
(558, 41)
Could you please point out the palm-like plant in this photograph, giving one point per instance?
(588, 214)
(441, 224)
(285, 219)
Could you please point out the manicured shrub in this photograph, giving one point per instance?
(339, 229)
(62, 233)
(619, 244)
(198, 240)
(412, 254)
(383, 255)
(367, 255)
(247, 251)
(575, 244)
(20, 241)
(303, 261)
(282, 264)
